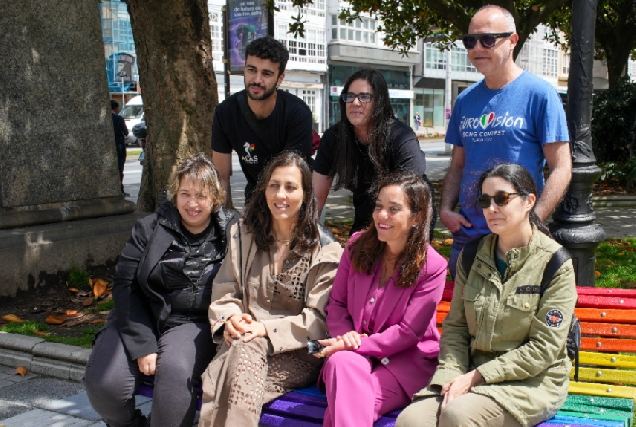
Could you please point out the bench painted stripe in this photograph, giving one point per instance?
(608, 329)
(578, 401)
(592, 389)
(608, 344)
(605, 315)
(608, 360)
(594, 301)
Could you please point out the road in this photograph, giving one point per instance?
(437, 161)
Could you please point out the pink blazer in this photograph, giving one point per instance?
(406, 339)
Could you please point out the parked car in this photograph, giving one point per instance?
(140, 130)
(133, 114)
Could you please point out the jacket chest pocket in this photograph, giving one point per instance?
(474, 302)
(515, 317)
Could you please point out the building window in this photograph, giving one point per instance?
(216, 30)
(434, 58)
(316, 8)
(309, 96)
(310, 49)
(565, 69)
(359, 31)
(460, 61)
(550, 57)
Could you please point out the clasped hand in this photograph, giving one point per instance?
(242, 325)
(349, 341)
(461, 385)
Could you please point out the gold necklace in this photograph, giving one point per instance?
(283, 240)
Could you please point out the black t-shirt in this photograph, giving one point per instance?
(403, 154)
(287, 128)
(119, 124)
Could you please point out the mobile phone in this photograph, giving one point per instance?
(314, 347)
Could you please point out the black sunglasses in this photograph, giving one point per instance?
(487, 40)
(501, 198)
(364, 98)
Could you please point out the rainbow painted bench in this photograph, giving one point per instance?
(603, 397)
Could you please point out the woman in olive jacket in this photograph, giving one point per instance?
(503, 360)
(162, 288)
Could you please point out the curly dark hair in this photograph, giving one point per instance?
(345, 168)
(269, 48)
(258, 218)
(522, 181)
(367, 250)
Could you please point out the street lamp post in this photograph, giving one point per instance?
(573, 219)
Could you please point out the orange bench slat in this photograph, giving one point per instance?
(605, 315)
(608, 329)
(608, 344)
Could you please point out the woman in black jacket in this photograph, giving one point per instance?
(162, 288)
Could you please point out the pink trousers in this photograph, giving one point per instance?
(359, 391)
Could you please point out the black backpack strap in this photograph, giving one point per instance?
(468, 255)
(557, 260)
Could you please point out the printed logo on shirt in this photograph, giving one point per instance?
(554, 318)
(249, 151)
(488, 125)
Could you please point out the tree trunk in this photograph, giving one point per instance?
(174, 54)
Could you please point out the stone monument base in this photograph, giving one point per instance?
(29, 254)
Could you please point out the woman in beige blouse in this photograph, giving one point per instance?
(268, 298)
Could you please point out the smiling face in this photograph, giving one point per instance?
(491, 61)
(393, 218)
(261, 77)
(359, 114)
(511, 218)
(194, 204)
(284, 194)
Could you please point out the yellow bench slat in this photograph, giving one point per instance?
(605, 390)
(600, 375)
(609, 360)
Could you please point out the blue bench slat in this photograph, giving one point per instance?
(560, 419)
(271, 420)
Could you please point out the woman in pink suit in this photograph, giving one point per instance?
(381, 311)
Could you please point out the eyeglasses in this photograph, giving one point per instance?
(501, 199)
(487, 40)
(363, 98)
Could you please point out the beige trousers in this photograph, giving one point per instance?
(243, 377)
(469, 410)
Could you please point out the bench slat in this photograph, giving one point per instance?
(605, 315)
(612, 376)
(608, 344)
(610, 360)
(579, 401)
(608, 329)
(595, 301)
(592, 389)
(616, 292)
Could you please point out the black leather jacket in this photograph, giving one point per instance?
(143, 304)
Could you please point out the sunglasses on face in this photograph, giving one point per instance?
(363, 98)
(487, 40)
(501, 199)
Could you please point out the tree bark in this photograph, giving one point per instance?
(174, 54)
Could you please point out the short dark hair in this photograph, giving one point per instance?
(113, 104)
(523, 183)
(257, 217)
(367, 250)
(269, 48)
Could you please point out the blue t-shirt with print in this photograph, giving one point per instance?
(507, 125)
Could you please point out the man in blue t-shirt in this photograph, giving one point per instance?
(511, 116)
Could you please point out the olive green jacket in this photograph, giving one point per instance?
(502, 328)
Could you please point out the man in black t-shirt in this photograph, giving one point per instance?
(260, 121)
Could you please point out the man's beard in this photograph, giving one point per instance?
(266, 94)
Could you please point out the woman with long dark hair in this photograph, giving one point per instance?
(503, 359)
(364, 146)
(269, 297)
(381, 312)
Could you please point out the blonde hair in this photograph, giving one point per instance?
(199, 168)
